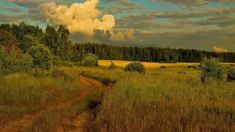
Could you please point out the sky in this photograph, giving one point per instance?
(192, 24)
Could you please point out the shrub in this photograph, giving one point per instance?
(163, 67)
(231, 74)
(193, 67)
(135, 67)
(41, 56)
(56, 60)
(14, 62)
(112, 65)
(90, 60)
(211, 70)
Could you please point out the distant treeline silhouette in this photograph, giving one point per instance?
(57, 40)
(149, 54)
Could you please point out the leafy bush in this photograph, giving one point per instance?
(56, 60)
(193, 67)
(41, 56)
(112, 65)
(231, 74)
(135, 67)
(90, 60)
(211, 70)
(163, 67)
(14, 62)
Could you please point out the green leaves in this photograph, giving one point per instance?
(211, 70)
(42, 57)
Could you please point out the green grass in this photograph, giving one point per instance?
(167, 99)
(24, 93)
(171, 99)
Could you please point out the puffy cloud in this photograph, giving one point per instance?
(79, 17)
(123, 36)
(219, 49)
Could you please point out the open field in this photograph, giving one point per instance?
(71, 98)
(150, 65)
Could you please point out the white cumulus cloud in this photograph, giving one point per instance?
(78, 17)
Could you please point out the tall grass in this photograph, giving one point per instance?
(168, 101)
(24, 93)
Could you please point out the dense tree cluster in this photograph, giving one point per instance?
(149, 54)
(56, 39)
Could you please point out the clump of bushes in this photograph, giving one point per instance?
(163, 67)
(193, 67)
(11, 62)
(211, 70)
(90, 60)
(112, 65)
(42, 57)
(57, 61)
(135, 67)
(231, 74)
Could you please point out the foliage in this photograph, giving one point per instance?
(42, 57)
(231, 74)
(57, 40)
(7, 40)
(57, 61)
(27, 42)
(147, 54)
(211, 70)
(14, 62)
(193, 67)
(163, 67)
(90, 60)
(135, 67)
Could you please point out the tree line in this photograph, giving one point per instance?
(149, 54)
(56, 39)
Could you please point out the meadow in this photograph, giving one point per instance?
(163, 99)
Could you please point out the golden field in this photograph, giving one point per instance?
(150, 65)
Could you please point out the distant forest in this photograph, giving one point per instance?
(58, 41)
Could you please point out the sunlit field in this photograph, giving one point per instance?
(171, 99)
(117, 66)
(150, 65)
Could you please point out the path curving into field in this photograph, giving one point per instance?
(79, 123)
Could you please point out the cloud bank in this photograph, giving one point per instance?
(79, 17)
(219, 49)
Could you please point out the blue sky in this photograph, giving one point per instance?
(194, 24)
